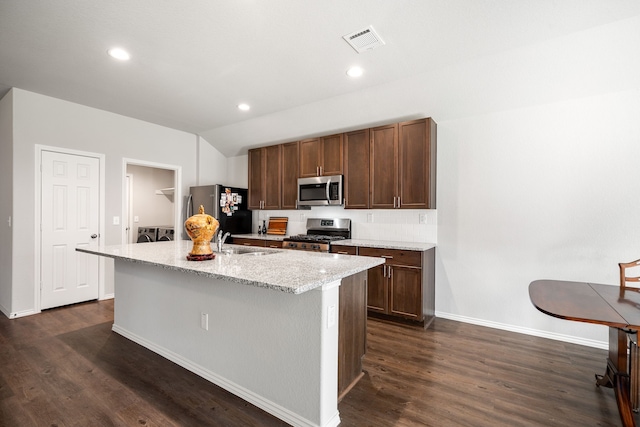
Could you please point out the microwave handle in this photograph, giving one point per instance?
(327, 188)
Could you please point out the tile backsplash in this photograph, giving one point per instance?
(403, 225)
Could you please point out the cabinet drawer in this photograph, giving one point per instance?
(249, 242)
(346, 250)
(394, 256)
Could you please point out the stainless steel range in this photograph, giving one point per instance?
(320, 233)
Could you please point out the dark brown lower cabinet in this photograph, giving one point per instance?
(403, 287)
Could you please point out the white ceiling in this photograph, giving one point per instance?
(193, 61)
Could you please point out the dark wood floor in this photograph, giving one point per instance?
(65, 367)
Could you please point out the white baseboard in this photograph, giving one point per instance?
(22, 313)
(106, 296)
(251, 397)
(527, 331)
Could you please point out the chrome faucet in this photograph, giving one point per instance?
(221, 239)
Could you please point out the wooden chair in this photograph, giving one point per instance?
(624, 279)
(634, 353)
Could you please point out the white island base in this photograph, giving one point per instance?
(276, 350)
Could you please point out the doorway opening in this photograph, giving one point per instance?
(151, 205)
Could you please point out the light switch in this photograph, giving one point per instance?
(116, 220)
(136, 218)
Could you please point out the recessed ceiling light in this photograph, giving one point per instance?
(119, 53)
(354, 72)
(243, 107)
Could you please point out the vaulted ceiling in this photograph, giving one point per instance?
(193, 61)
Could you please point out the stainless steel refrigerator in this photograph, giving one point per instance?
(226, 204)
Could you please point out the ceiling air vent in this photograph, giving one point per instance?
(364, 39)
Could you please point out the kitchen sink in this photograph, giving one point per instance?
(246, 251)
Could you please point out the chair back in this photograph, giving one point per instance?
(626, 278)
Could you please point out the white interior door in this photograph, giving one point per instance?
(69, 219)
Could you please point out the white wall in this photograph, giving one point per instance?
(537, 168)
(6, 201)
(152, 209)
(238, 171)
(212, 165)
(48, 121)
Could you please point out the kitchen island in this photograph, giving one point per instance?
(264, 324)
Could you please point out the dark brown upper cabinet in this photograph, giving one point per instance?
(403, 169)
(417, 164)
(290, 162)
(265, 168)
(356, 169)
(384, 167)
(321, 156)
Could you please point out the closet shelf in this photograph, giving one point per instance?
(165, 191)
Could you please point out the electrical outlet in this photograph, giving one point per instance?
(369, 217)
(422, 218)
(204, 321)
(303, 217)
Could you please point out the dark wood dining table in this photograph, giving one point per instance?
(603, 305)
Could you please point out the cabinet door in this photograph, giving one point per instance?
(406, 292)
(273, 168)
(331, 147)
(384, 166)
(356, 169)
(377, 290)
(256, 181)
(290, 159)
(416, 179)
(309, 157)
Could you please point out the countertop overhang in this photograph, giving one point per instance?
(279, 269)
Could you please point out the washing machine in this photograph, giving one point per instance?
(165, 234)
(147, 234)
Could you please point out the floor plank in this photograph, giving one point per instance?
(65, 367)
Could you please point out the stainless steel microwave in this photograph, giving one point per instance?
(320, 191)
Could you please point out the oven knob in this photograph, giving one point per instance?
(316, 247)
(303, 246)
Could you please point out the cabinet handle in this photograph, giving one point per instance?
(384, 270)
(320, 170)
(398, 202)
(343, 252)
(390, 272)
(247, 244)
(387, 256)
(394, 202)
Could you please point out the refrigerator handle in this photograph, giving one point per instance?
(187, 212)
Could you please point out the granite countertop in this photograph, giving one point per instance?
(256, 236)
(408, 246)
(283, 270)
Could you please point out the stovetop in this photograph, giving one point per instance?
(323, 231)
(314, 238)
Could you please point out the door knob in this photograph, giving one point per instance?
(94, 236)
